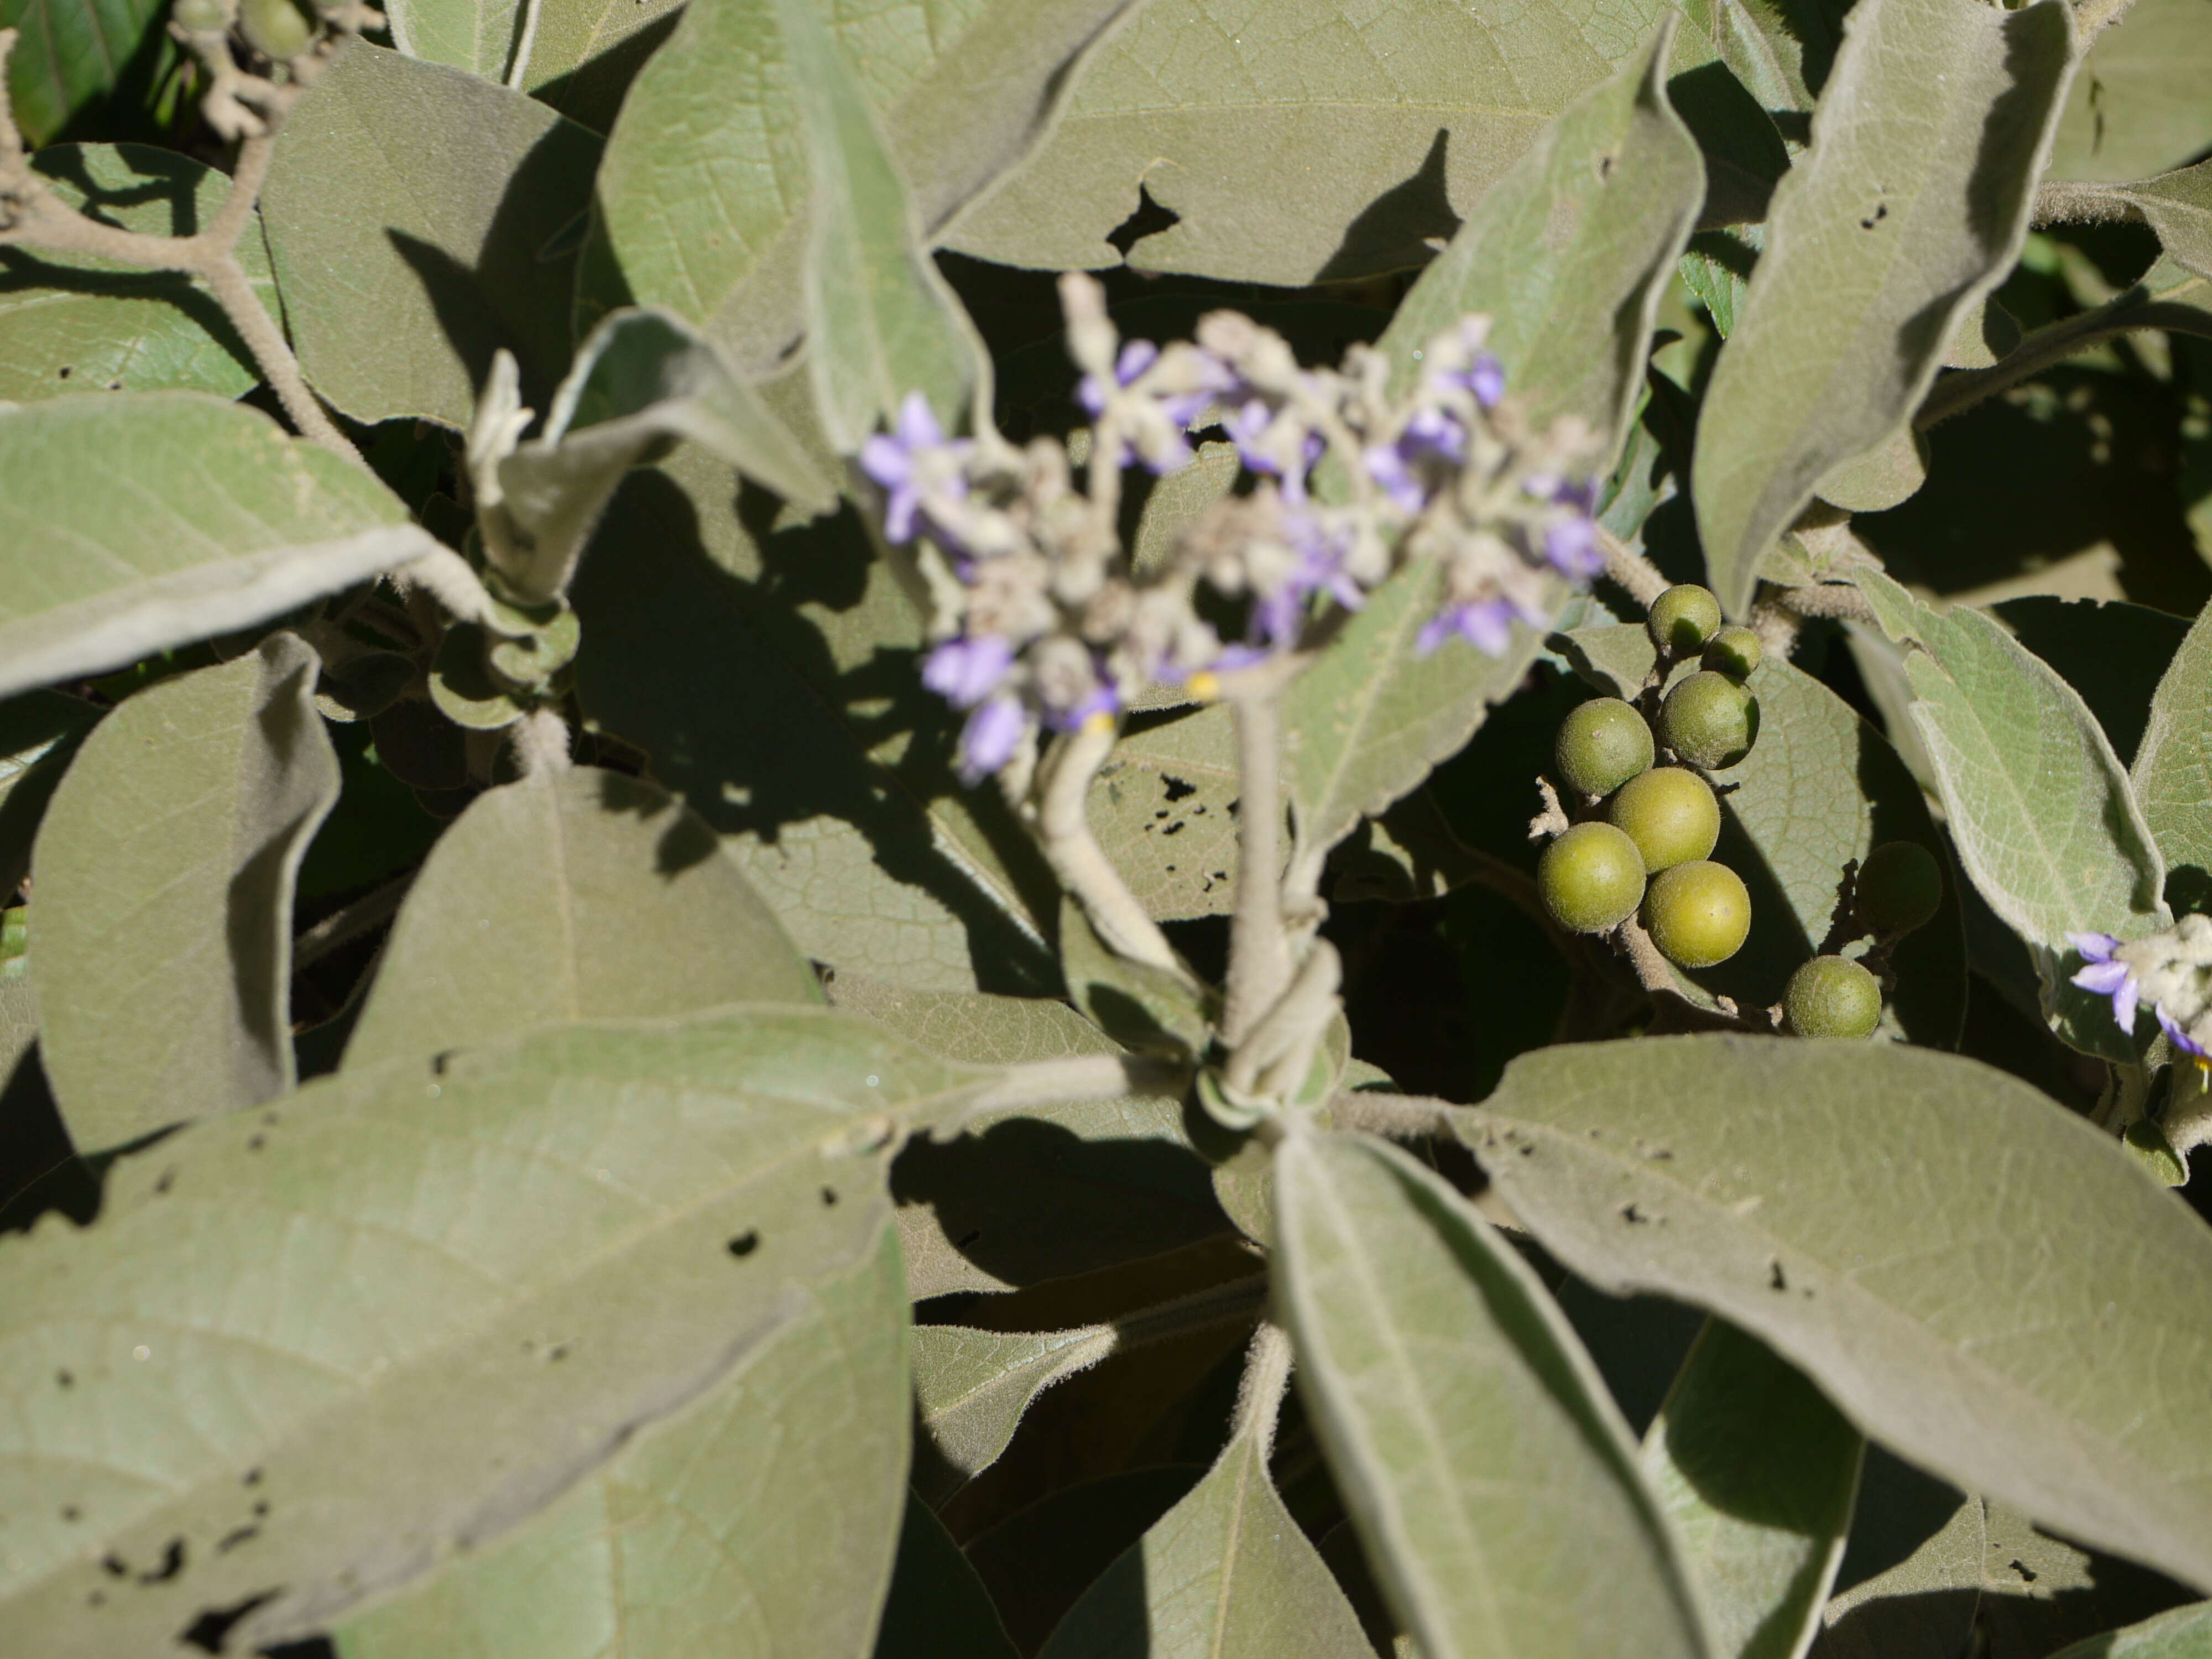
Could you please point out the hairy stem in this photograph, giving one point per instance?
(1063, 825)
(1631, 568)
(32, 216)
(1078, 1077)
(342, 927)
(2059, 203)
(2137, 308)
(1259, 1396)
(1259, 950)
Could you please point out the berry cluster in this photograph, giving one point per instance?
(1648, 834)
(1649, 821)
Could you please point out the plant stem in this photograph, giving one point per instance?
(342, 927)
(32, 216)
(1063, 825)
(1079, 1078)
(1259, 1396)
(2137, 308)
(1259, 951)
(1631, 568)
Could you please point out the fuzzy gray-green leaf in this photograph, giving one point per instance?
(2138, 106)
(1491, 1480)
(972, 1387)
(2179, 207)
(1960, 1260)
(419, 220)
(228, 523)
(584, 896)
(2172, 772)
(516, 1230)
(2183, 1633)
(164, 871)
(1758, 1472)
(1910, 204)
(2039, 808)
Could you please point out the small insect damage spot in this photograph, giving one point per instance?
(251, 1478)
(1776, 1278)
(255, 1143)
(64, 1379)
(71, 1513)
(828, 1198)
(166, 1179)
(237, 1535)
(172, 1563)
(211, 1632)
(745, 1244)
(1880, 212)
(2027, 1574)
(1173, 789)
(64, 371)
(971, 1238)
(1634, 1217)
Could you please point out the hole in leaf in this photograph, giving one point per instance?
(1775, 1279)
(828, 1198)
(236, 1536)
(1174, 789)
(172, 1563)
(1149, 220)
(745, 1243)
(212, 1628)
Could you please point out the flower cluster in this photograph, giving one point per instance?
(1040, 620)
(2171, 971)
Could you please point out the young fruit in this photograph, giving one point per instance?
(1671, 815)
(1831, 997)
(1900, 887)
(1733, 651)
(275, 29)
(1683, 618)
(1698, 913)
(1710, 720)
(1591, 879)
(1602, 744)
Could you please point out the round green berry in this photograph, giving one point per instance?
(275, 29)
(1697, 912)
(1900, 887)
(1591, 879)
(1602, 744)
(1710, 720)
(1671, 815)
(1830, 997)
(1683, 618)
(1733, 651)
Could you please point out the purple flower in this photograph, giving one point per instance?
(1249, 425)
(2182, 1040)
(2107, 977)
(893, 461)
(1487, 625)
(1137, 357)
(1485, 378)
(1277, 618)
(1103, 699)
(1431, 434)
(1572, 547)
(964, 671)
(987, 742)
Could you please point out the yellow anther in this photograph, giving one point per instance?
(1204, 685)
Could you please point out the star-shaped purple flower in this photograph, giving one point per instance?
(1487, 625)
(1137, 357)
(987, 742)
(2107, 975)
(893, 460)
(2181, 1039)
(1571, 547)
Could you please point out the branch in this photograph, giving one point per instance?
(1259, 1396)
(1063, 827)
(2059, 203)
(32, 216)
(1079, 1078)
(2137, 308)
(342, 927)
(1631, 568)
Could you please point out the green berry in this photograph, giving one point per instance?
(1591, 879)
(1698, 913)
(1671, 815)
(1710, 720)
(275, 29)
(201, 17)
(1733, 651)
(1900, 887)
(1830, 997)
(1602, 744)
(1683, 618)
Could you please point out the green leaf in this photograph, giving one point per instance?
(1370, 719)
(582, 54)
(2138, 106)
(881, 322)
(643, 378)
(2114, 653)
(72, 54)
(1568, 253)
(938, 1607)
(40, 735)
(1911, 1577)
(228, 523)
(1037, 1562)
(1780, 50)
(1910, 204)
(702, 198)
(1225, 1574)
(2040, 1592)
(514, 1232)
(2183, 1633)
(2173, 774)
(1758, 1472)
(972, 1387)
(760, 1519)
(75, 323)
(1162, 808)
(1027, 1196)
(1959, 1255)
(1491, 1480)
(2179, 207)
(584, 896)
(2038, 805)
(483, 37)
(419, 220)
(769, 667)
(163, 929)
(1417, 105)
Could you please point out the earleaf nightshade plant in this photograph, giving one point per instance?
(1104, 828)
